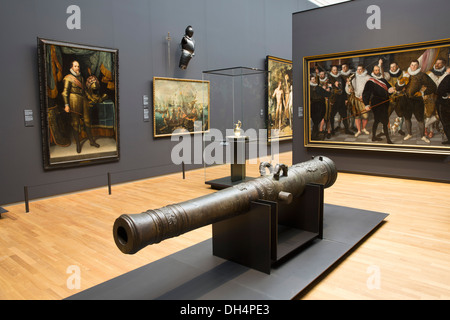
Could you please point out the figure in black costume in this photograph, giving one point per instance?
(318, 105)
(338, 100)
(443, 105)
(376, 98)
(419, 86)
(187, 48)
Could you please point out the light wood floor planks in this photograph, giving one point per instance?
(408, 257)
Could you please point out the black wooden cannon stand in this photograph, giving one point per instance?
(271, 232)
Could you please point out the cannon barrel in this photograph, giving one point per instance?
(132, 232)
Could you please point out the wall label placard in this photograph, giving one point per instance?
(28, 118)
(146, 114)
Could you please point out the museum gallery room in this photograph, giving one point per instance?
(225, 150)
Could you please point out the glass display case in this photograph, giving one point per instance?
(237, 140)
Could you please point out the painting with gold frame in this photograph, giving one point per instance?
(384, 99)
(180, 106)
(279, 98)
(79, 97)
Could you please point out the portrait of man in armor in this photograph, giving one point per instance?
(79, 104)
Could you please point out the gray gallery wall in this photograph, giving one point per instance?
(227, 33)
(342, 28)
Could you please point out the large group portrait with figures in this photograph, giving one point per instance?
(383, 99)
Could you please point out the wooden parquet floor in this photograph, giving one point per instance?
(42, 252)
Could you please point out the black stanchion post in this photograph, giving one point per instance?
(27, 206)
(182, 165)
(109, 182)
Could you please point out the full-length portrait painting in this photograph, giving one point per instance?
(180, 106)
(279, 98)
(79, 104)
(387, 99)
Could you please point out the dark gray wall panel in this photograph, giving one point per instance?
(342, 28)
(227, 34)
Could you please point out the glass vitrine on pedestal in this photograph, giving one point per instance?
(237, 140)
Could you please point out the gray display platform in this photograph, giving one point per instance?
(225, 182)
(195, 274)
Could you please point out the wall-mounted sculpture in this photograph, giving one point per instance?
(187, 47)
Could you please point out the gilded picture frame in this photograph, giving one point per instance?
(180, 106)
(279, 99)
(79, 104)
(399, 89)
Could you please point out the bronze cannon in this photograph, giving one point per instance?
(132, 232)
